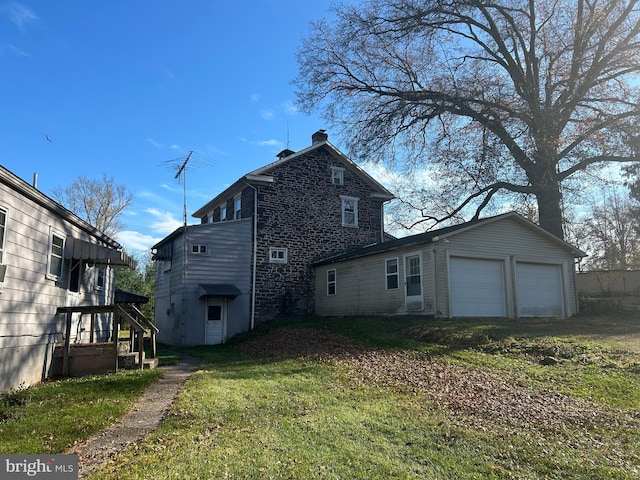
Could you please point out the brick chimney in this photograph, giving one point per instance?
(319, 136)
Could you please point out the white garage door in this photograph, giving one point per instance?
(539, 290)
(477, 287)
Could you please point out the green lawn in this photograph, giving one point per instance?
(416, 398)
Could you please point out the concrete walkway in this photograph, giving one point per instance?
(144, 418)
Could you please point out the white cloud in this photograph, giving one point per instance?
(164, 222)
(267, 114)
(269, 143)
(154, 143)
(175, 147)
(135, 242)
(290, 107)
(255, 97)
(19, 14)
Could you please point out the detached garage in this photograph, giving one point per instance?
(502, 266)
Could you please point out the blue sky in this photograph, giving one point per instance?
(128, 88)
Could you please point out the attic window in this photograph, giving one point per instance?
(337, 175)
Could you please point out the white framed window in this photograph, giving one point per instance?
(199, 249)
(223, 212)
(237, 207)
(278, 255)
(331, 282)
(337, 175)
(3, 229)
(391, 266)
(349, 211)
(56, 255)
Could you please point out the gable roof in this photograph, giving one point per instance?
(440, 234)
(28, 191)
(261, 175)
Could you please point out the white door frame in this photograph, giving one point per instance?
(413, 303)
(215, 301)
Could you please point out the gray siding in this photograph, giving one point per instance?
(361, 282)
(29, 327)
(179, 310)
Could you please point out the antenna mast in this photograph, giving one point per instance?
(184, 184)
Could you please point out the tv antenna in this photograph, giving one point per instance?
(181, 166)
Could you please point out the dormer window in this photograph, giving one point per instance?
(337, 175)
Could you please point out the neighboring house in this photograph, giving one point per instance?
(49, 258)
(502, 266)
(304, 206)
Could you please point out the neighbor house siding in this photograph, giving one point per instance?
(29, 326)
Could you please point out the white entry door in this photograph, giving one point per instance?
(414, 301)
(215, 321)
(477, 287)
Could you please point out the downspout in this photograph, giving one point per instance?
(255, 256)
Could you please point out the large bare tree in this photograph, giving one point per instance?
(505, 96)
(98, 202)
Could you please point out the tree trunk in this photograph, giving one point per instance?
(549, 209)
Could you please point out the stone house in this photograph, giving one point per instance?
(302, 207)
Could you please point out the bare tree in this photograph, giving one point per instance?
(610, 234)
(98, 202)
(512, 97)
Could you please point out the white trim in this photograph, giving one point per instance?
(344, 202)
(284, 258)
(53, 232)
(334, 282)
(387, 275)
(410, 300)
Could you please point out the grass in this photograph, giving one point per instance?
(256, 417)
(51, 417)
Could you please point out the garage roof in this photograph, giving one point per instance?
(440, 234)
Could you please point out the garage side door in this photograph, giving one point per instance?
(539, 290)
(477, 287)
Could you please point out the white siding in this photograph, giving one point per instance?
(508, 240)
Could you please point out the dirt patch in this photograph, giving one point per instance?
(460, 390)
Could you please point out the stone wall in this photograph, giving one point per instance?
(302, 212)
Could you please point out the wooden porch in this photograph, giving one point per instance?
(76, 359)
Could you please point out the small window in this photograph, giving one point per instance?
(101, 278)
(75, 275)
(337, 175)
(331, 282)
(56, 256)
(198, 249)
(237, 211)
(392, 273)
(3, 226)
(214, 313)
(278, 255)
(349, 211)
(223, 212)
